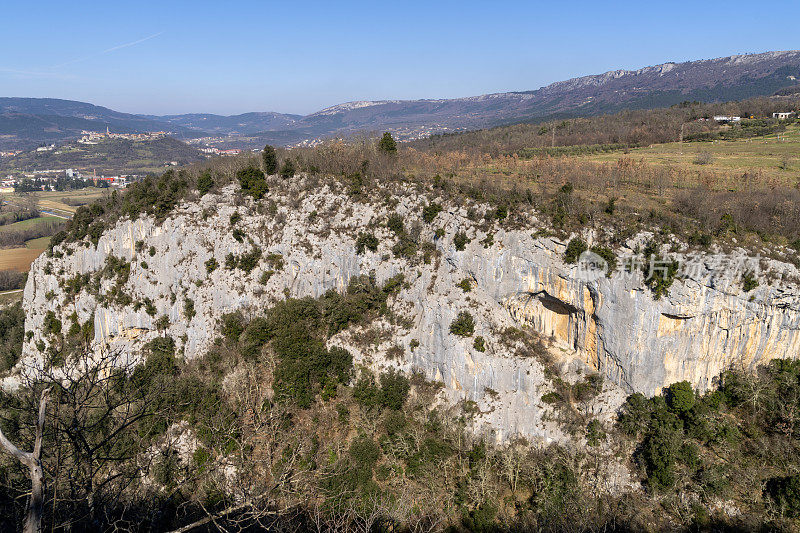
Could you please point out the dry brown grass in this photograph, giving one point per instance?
(19, 259)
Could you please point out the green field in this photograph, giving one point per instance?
(42, 243)
(773, 157)
(30, 223)
(20, 257)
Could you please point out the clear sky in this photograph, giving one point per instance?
(298, 57)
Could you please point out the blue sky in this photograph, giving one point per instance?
(298, 57)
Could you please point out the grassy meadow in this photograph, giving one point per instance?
(62, 203)
(775, 158)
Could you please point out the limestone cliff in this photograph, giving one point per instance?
(305, 241)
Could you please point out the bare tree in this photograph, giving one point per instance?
(33, 517)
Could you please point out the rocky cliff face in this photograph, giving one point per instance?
(307, 242)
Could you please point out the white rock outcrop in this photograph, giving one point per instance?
(613, 324)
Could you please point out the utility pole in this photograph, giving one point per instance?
(553, 144)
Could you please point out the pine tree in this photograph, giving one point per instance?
(270, 160)
(204, 182)
(387, 144)
(287, 170)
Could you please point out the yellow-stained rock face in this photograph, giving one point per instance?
(549, 318)
(667, 325)
(644, 344)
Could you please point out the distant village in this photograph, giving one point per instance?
(59, 180)
(93, 137)
(729, 119)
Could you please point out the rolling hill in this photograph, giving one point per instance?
(109, 156)
(26, 121)
(29, 122)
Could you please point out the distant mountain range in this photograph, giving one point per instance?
(25, 122)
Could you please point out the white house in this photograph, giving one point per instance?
(726, 118)
(783, 115)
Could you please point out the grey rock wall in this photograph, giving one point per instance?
(614, 325)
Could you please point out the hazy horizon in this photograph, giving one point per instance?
(202, 58)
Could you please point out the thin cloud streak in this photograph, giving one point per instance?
(108, 50)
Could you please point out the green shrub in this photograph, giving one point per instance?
(366, 241)
(394, 389)
(659, 274)
(188, 308)
(394, 422)
(660, 448)
(405, 247)
(479, 344)
(356, 184)
(460, 240)
(52, 325)
(595, 433)
(366, 391)
(270, 160)
(149, 307)
(162, 323)
(687, 455)
(749, 282)
(589, 387)
(430, 211)
(287, 170)
(232, 325)
(680, 397)
(95, 232)
(785, 493)
(702, 239)
(634, 415)
(395, 223)
(12, 328)
(274, 260)
(465, 284)
(575, 248)
(205, 182)
(252, 182)
(296, 329)
(608, 255)
(211, 265)
(562, 205)
(247, 262)
(387, 144)
(482, 519)
(463, 325)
